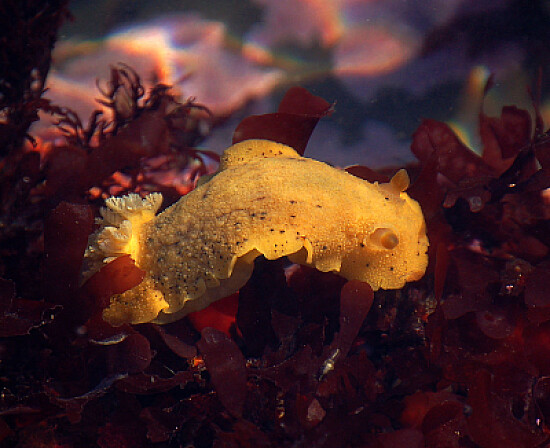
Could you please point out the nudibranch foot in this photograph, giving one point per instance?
(241, 272)
(138, 305)
(265, 199)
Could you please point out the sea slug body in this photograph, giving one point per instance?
(265, 199)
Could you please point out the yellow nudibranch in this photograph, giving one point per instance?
(265, 199)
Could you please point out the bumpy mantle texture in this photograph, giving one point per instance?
(265, 199)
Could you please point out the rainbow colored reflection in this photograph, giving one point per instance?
(184, 51)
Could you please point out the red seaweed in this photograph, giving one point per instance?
(355, 301)
(115, 277)
(504, 137)
(220, 315)
(227, 367)
(175, 343)
(458, 358)
(489, 410)
(454, 160)
(17, 315)
(132, 355)
(403, 437)
(142, 127)
(66, 236)
(253, 318)
(364, 172)
(292, 125)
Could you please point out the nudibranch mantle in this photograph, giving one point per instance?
(265, 199)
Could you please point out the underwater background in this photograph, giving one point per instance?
(387, 64)
(109, 98)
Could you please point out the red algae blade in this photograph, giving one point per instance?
(356, 299)
(292, 125)
(227, 367)
(220, 315)
(66, 235)
(115, 277)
